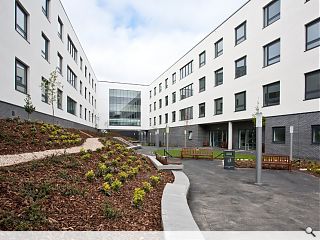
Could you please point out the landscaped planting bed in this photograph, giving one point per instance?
(17, 136)
(110, 189)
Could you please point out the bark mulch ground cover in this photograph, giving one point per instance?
(17, 136)
(110, 189)
(311, 167)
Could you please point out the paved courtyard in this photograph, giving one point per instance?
(228, 200)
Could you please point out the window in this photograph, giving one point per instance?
(190, 135)
(218, 48)
(85, 92)
(186, 114)
(59, 99)
(186, 92)
(150, 122)
(241, 67)
(240, 101)
(312, 88)
(71, 106)
(202, 59)
(60, 60)
(150, 94)
(21, 21)
(80, 111)
(240, 33)
(71, 77)
(150, 107)
(272, 53)
(160, 103)
(271, 12)
(271, 94)
(85, 113)
(92, 100)
(155, 91)
(74, 52)
(60, 28)
(202, 84)
(44, 90)
(218, 106)
(160, 87)
(89, 77)
(174, 97)
(89, 116)
(160, 119)
(89, 97)
(315, 134)
(218, 77)
(154, 121)
(81, 87)
(85, 71)
(81, 63)
(166, 83)
(173, 116)
(166, 118)
(202, 110)
(45, 47)
(174, 78)
(313, 34)
(45, 7)
(21, 77)
(186, 70)
(279, 134)
(166, 100)
(154, 106)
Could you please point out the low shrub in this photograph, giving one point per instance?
(102, 169)
(86, 156)
(106, 188)
(109, 212)
(154, 180)
(108, 177)
(138, 197)
(90, 175)
(116, 185)
(146, 186)
(123, 176)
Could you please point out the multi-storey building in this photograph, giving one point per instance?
(36, 39)
(265, 55)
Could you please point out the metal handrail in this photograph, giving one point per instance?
(166, 153)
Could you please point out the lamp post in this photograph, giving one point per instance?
(167, 135)
(258, 146)
(291, 142)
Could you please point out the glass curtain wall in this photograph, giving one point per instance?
(124, 107)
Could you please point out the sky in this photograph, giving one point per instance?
(134, 41)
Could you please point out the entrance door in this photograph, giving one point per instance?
(218, 138)
(247, 139)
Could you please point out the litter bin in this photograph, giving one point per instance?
(229, 156)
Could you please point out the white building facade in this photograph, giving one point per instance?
(36, 39)
(265, 55)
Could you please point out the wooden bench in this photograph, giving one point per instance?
(196, 153)
(275, 160)
(162, 159)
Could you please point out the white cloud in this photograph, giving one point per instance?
(136, 40)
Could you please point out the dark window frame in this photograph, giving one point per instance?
(218, 111)
(240, 108)
(317, 20)
(60, 32)
(216, 83)
(267, 21)
(266, 59)
(45, 54)
(237, 71)
(44, 91)
(46, 11)
(203, 89)
(23, 33)
(312, 134)
(216, 44)
(273, 135)
(202, 115)
(305, 86)
(242, 39)
(202, 63)
(26, 68)
(266, 102)
(74, 112)
(60, 99)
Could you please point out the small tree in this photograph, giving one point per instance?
(51, 87)
(28, 107)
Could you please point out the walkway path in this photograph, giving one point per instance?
(228, 200)
(7, 160)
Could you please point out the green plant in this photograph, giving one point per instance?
(138, 197)
(36, 191)
(110, 212)
(154, 180)
(106, 188)
(102, 169)
(123, 176)
(146, 186)
(86, 156)
(116, 185)
(114, 162)
(28, 107)
(108, 177)
(90, 175)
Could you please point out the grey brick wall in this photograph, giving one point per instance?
(302, 142)
(10, 110)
